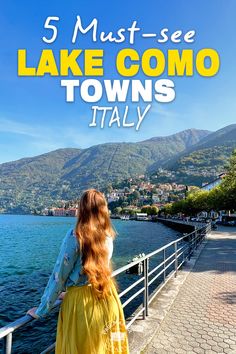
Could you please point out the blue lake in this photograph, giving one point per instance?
(29, 246)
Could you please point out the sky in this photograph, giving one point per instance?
(34, 116)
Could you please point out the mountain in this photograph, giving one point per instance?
(204, 160)
(37, 182)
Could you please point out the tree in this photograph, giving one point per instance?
(129, 211)
(134, 197)
(216, 198)
(200, 201)
(228, 185)
(117, 210)
(219, 198)
(150, 210)
(168, 209)
(108, 188)
(154, 210)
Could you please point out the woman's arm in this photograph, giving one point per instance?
(65, 262)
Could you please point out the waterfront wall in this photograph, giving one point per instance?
(180, 225)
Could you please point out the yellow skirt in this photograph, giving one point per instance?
(87, 325)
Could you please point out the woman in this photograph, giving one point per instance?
(91, 319)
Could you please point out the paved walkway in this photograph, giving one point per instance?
(202, 318)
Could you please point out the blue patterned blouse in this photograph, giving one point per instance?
(66, 272)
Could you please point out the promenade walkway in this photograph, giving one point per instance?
(202, 319)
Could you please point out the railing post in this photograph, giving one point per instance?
(204, 233)
(176, 259)
(146, 295)
(190, 247)
(164, 264)
(7, 344)
(208, 229)
(195, 236)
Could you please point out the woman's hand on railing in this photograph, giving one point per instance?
(62, 295)
(32, 313)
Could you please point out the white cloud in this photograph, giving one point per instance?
(42, 139)
(164, 111)
(13, 127)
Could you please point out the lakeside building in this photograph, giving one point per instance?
(71, 212)
(116, 195)
(148, 193)
(60, 212)
(216, 182)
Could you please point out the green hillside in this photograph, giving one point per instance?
(37, 182)
(206, 159)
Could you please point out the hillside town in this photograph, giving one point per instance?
(137, 197)
(129, 196)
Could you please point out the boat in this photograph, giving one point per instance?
(142, 217)
(124, 217)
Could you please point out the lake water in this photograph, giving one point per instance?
(29, 246)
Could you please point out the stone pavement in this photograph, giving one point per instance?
(202, 319)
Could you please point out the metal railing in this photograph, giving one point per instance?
(174, 255)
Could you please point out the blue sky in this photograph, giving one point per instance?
(34, 117)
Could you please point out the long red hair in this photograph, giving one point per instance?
(92, 228)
